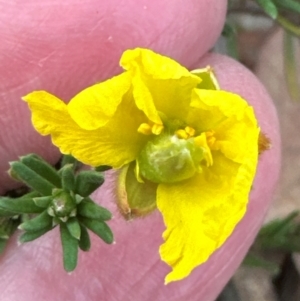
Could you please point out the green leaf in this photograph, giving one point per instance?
(39, 222)
(68, 177)
(42, 168)
(68, 159)
(43, 201)
(19, 205)
(279, 226)
(32, 235)
(89, 209)
(291, 5)
(5, 213)
(31, 178)
(99, 228)
(84, 242)
(70, 248)
(88, 181)
(74, 227)
(252, 260)
(283, 235)
(269, 8)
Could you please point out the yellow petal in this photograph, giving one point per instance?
(230, 117)
(153, 64)
(94, 106)
(158, 83)
(115, 144)
(241, 133)
(201, 213)
(144, 100)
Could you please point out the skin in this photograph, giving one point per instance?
(62, 49)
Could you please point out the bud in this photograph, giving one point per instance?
(63, 204)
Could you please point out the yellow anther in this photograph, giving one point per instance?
(210, 138)
(190, 131)
(209, 133)
(182, 134)
(145, 129)
(211, 141)
(157, 129)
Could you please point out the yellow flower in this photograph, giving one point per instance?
(184, 146)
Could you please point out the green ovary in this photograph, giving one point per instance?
(169, 159)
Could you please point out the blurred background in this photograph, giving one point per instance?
(264, 35)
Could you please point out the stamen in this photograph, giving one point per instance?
(145, 129)
(182, 134)
(202, 141)
(148, 129)
(210, 138)
(211, 141)
(190, 131)
(157, 129)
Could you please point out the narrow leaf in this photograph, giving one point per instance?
(291, 5)
(42, 168)
(29, 236)
(5, 213)
(19, 205)
(99, 228)
(252, 260)
(87, 182)
(37, 223)
(43, 201)
(68, 159)
(269, 8)
(84, 242)
(31, 178)
(74, 227)
(67, 177)
(70, 248)
(278, 225)
(89, 209)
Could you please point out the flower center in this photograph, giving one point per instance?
(172, 158)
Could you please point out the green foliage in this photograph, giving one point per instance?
(269, 8)
(58, 198)
(281, 236)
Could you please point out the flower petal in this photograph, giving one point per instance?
(94, 106)
(230, 117)
(201, 213)
(155, 65)
(240, 133)
(158, 83)
(115, 144)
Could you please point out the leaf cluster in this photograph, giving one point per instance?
(57, 198)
